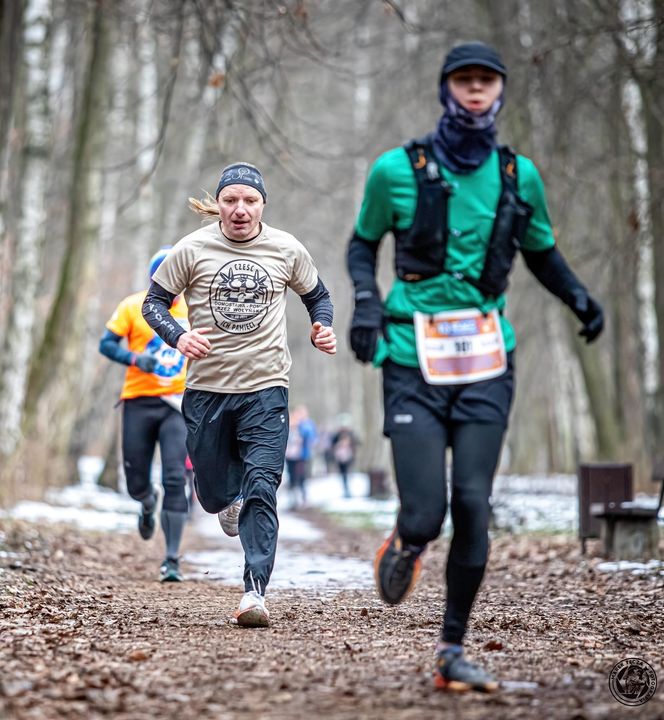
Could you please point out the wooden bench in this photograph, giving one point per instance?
(600, 483)
(629, 529)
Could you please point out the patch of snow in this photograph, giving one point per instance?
(636, 568)
(84, 518)
(92, 497)
(291, 569)
(89, 469)
(523, 512)
(518, 685)
(521, 503)
(86, 505)
(326, 494)
(535, 484)
(291, 527)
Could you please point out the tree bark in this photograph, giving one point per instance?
(57, 357)
(652, 92)
(11, 46)
(25, 232)
(625, 241)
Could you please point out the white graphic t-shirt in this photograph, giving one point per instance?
(239, 290)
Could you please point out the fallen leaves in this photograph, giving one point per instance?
(137, 655)
(80, 641)
(492, 645)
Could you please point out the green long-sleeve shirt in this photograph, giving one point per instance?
(390, 199)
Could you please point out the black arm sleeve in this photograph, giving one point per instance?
(156, 313)
(552, 271)
(318, 304)
(109, 345)
(361, 261)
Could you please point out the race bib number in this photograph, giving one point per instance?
(459, 346)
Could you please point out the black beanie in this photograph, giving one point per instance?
(242, 173)
(473, 53)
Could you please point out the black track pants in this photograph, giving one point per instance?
(146, 421)
(237, 444)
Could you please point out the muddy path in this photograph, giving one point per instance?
(87, 632)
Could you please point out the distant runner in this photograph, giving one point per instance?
(152, 395)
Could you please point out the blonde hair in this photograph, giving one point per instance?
(207, 207)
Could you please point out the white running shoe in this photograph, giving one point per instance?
(230, 516)
(252, 611)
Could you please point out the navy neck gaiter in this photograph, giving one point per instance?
(464, 140)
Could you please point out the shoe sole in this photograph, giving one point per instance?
(232, 530)
(171, 578)
(379, 556)
(252, 617)
(145, 532)
(150, 531)
(461, 687)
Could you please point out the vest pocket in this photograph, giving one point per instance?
(420, 250)
(509, 229)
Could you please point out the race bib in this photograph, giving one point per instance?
(459, 346)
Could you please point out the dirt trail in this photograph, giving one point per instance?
(87, 632)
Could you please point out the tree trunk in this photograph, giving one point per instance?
(109, 475)
(652, 91)
(58, 357)
(602, 409)
(625, 273)
(11, 44)
(11, 72)
(25, 225)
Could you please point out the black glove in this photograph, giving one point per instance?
(590, 313)
(363, 343)
(367, 322)
(146, 362)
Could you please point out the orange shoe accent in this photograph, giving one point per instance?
(440, 683)
(381, 551)
(417, 568)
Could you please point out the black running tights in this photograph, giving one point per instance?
(146, 421)
(419, 460)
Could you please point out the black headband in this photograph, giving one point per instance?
(242, 173)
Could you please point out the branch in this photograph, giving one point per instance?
(165, 114)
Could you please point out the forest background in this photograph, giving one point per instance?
(113, 113)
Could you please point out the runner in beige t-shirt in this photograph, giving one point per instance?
(234, 274)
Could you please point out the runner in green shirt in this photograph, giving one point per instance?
(459, 206)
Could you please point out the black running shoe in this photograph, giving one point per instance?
(396, 569)
(452, 672)
(170, 571)
(146, 524)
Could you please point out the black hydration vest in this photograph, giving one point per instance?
(421, 250)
